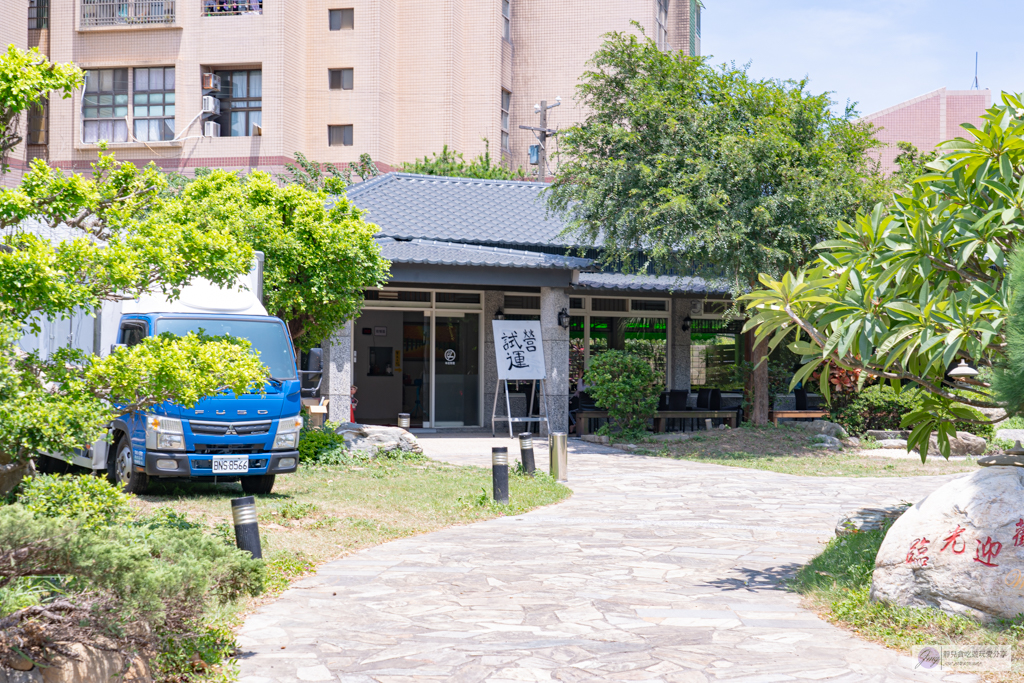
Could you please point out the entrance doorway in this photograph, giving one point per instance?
(457, 369)
(391, 367)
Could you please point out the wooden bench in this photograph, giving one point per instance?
(583, 416)
(774, 415)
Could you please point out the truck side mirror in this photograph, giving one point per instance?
(115, 347)
(314, 362)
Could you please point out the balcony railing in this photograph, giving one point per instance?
(222, 8)
(126, 12)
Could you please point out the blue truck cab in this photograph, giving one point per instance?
(249, 438)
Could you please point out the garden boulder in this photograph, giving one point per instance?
(823, 427)
(372, 438)
(960, 549)
(965, 443)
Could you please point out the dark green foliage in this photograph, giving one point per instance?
(881, 407)
(321, 446)
(93, 499)
(451, 163)
(315, 176)
(193, 652)
(624, 385)
(1008, 381)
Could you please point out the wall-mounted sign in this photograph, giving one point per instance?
(380, 331)
(518, 349)
(449, 356)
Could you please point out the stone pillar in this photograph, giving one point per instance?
(680, 370)
(556, 356)
(337, 384)
(492, 302)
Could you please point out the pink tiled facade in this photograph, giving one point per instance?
(927, 120)
(426, 73)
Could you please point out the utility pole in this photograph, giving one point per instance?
(543, 132)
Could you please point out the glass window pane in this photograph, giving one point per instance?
(169, 110)
(334, 79)
(348, 18)
(169, 98)
(238, 83)
(140, 99)
(106, 99)
(346, 135)
(92, 80)
(140, 111)
(89, 113)
(120, 111)
(255, 84)
(142, 80)
(156, 98)
(168, 126)
(121, 82)
(89, 101)
(169, 78)
(156, 79)
(506, 99)
(504, 120)
(347, 78)
(156, 110)
(237, 124)
(89, 131)
(335, 19)
(141, 130)
(106, 80)
(120, 99)
(255, 118)
(104, 129)
(106, 112)
(154, 128)
(120, 131)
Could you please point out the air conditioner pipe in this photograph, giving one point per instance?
(499, 474)
(247, 529)
(526, 449)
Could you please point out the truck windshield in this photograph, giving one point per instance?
(268, 339)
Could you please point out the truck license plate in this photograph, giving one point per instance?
(230, 465)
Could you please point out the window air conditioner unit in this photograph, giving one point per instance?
(211, 129)
(211, 82)
(211, 105)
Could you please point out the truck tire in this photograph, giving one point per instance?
(261, 484)
(121, 469)
(46, 464)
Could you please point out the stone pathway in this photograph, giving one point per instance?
(655, 570)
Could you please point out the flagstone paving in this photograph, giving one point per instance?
(654, 570)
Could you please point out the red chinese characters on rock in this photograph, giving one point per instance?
(987, 552)
(952, 539)
(918, 553)
(1018, 536)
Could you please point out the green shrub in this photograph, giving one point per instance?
(624, 385)
(880, 407)
(95, 499)
(195, 652)
(321, 446)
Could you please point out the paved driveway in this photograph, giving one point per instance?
(655, 570)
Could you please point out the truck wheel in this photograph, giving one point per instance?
(48, 465)
(121, 469)
(261, 484)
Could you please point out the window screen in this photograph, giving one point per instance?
(342, 19)
(339, 136)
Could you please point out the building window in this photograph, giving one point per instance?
(218, 8)
(694, 28)
(339, 136)
(38, 14)
(341, 79)
(37, 123)
(342, 19)
(506, 102)
(105, 105)
(506, 19)
(241, 102)
(153, 104)
(661, 21)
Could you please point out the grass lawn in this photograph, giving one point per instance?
(836, 585)
(322, 513)
(790, 451)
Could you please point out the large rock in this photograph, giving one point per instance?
(965, 443)
(827, 442)
(961, 549)
(373, 438)
(868, 519)
(823, 427)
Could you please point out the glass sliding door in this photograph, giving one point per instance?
(456, 369)
(415, 367)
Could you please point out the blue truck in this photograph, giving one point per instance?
(248, 438)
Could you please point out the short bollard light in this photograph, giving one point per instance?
(499, 474)
(247, 529)
(526, 451)
(403, 420)
(558, 447)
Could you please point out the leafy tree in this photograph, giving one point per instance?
(903, 295)
(679, 161)
(452, 164)
(25, 79)
(320, 253)
(317, 177)
(625, 386)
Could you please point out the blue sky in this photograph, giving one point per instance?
(875, 52)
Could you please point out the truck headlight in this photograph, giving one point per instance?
(287, 438)
(164, 433)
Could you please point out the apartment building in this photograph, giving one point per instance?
(244, 84)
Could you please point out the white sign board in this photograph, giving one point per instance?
(518, 349)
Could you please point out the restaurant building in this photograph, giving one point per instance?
(465, 252)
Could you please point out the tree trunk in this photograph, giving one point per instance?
(759, 414)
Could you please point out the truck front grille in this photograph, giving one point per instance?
(230, 428)
(229, 449)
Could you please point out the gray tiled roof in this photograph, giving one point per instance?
(451, 254)
(654, 283)
(409, 206)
